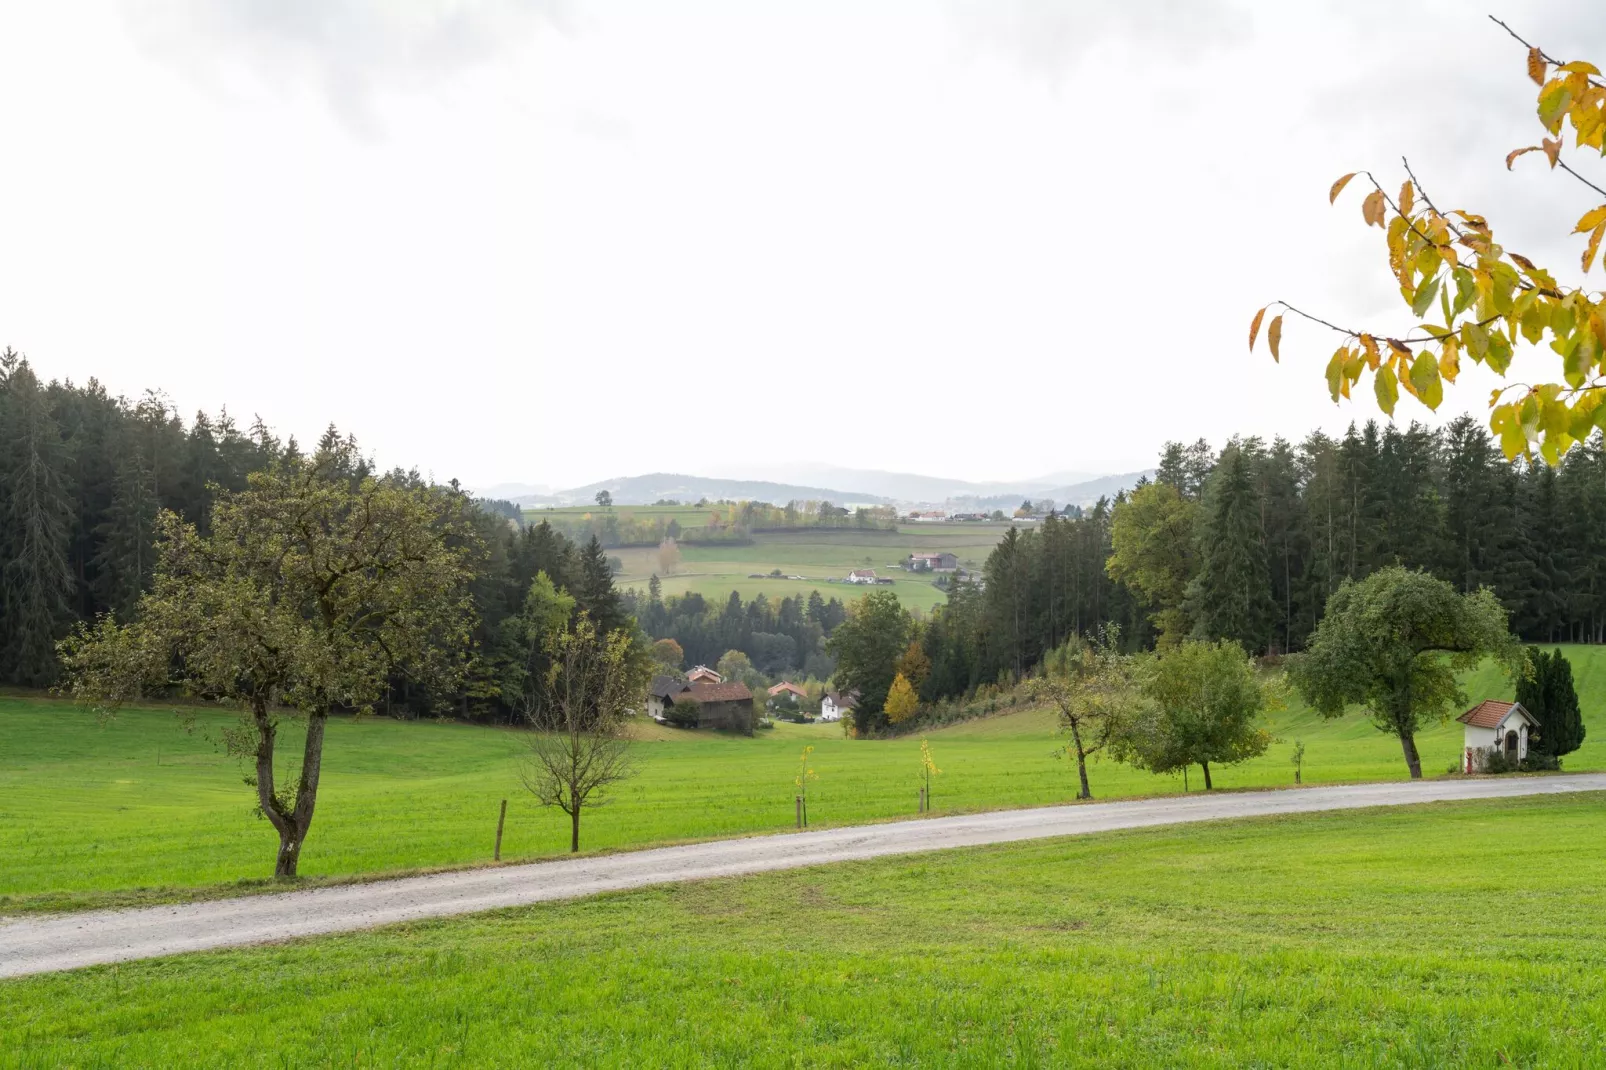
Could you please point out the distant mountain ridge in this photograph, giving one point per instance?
(841, 486)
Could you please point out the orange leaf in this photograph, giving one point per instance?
(1274, 337)
(1338, 187)
(1254, 328)
(1373, 357)
(1552, 149)
(1372, 208)
(1536, 66)
(1514, 153)
(1399, 347)
(1407, 198)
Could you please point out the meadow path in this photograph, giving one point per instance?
(69, 941)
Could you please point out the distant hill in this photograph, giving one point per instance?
(1079, 494)
(913, 488)
(656, 486)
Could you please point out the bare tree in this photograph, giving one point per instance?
(1090, 685)
(581, 745)
(668, 556)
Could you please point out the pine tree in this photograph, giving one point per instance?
(127, 537)
(594, 591)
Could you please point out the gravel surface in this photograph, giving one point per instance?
(69, 941)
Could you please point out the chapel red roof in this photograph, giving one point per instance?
(1487, 714)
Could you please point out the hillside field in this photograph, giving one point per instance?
(1424, 936)
(136, 809)
(819, 556)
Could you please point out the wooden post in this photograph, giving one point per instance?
(500, 819)
(798, 799)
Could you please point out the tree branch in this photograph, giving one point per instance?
(1546, 56)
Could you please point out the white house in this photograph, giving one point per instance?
(1494, 725)
(862, 575)
(835, 704)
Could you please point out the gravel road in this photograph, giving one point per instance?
(69, 941)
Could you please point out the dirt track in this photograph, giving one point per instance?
(64, 942)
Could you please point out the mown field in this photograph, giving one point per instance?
(136, 809)
(1459, 934)
(819, 556)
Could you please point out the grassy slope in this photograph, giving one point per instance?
(89, 815)
(1446, 935)
(715, 571)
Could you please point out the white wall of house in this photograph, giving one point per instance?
(829, 711)
(1479, 739)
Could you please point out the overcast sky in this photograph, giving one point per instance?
(554, 241)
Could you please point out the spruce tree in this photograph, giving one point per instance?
(1230, 597)
(36, 517)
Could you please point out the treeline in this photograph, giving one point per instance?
(1248, 545)
(723, 522)
(84, 475)
(785, 637)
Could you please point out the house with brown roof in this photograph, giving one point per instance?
(933, 561)
(1493, 726)
(862, 575)
(725, 706)
(787, 692)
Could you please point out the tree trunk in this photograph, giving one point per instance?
(1206, 767)
(1413, 761)
(1081, 762)
(574, 830)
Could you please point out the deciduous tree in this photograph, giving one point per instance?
(902, 702)
(1152, 553)
(867, 646)
(315, 586)
(1089, 684)
(1393, 643)
(581, 745)
(1203, 702)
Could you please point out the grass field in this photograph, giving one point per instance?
(1463, 934)
(818, 556)
(90, 817)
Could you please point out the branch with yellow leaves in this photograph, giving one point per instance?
(1489, 298)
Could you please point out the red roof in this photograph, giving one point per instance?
(736, 691)
(793, 688)
(1489, 713)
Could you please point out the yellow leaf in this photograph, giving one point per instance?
(1536, 66)
(1254, 328)
(1579, 67)
(1591, 219)
(1407, 198)
(1274, 337)
(1552, 149)
(1514, 153)
(1338, 187)
(1594, 245)
(1372, 208)
(1450, 359)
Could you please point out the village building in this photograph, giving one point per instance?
(1494, 726)
(836, 703)
(862, 575)
(702, 674)
(933, 561)
(786, 691)
(724, 706)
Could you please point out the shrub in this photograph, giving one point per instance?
(1537, 762)
(1493, 760)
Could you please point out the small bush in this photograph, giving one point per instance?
(1540, 763)
(1493, 760)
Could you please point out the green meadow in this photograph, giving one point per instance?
(1459, 934)
(137, 809)
(819, 556)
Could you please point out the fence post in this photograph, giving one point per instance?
(798, 800)
(500, 819)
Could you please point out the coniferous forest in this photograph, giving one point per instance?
(84, 474)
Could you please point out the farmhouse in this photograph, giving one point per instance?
(706, 705)
(933, 562)
(1492, 726)
(836, 703)
(862, 575)
(702, 674)
(788, 692)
